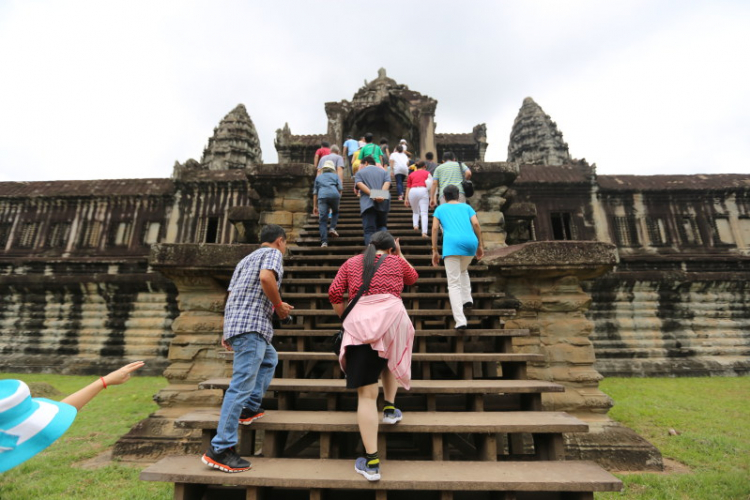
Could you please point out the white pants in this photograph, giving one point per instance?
(459, 286)
(419, 199)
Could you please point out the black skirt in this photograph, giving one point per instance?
(363, 366)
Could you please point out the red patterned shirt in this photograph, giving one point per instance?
(390, 278)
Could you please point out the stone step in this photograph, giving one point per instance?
(577, 480)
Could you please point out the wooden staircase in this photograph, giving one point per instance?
(473, 423)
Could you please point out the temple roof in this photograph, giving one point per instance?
(102, 187)
(698, 182)
(455, 139)
(572, 173)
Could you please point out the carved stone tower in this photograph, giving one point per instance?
(535, 139)
(235, 143)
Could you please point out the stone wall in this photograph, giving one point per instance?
(544, 281)
(672, 323)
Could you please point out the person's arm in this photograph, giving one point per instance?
(399, 253)
(467, 173)
(315, 204)
(271, 289)
(117, 377)
(406, 196)
(435, 234)
(363, 187)
(433, 190)
(341, 175)
(315, 160)
(337, 289)
(478, 232)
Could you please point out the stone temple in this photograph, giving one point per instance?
(646, 275)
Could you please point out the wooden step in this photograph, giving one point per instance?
(416, 312)
(577, 479)
(488, 332)
(405, 296)
(421, 281)
(530, 391)
(320, 268)
(545, 428)
(450, 357)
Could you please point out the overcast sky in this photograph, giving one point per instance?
(103, 89)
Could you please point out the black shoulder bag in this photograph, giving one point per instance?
(338, 336)
(465, 183)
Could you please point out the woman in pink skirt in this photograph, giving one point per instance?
(378, 338)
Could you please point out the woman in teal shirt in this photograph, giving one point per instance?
(462, 240)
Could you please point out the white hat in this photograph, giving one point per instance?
(28, 425)
(328, 165)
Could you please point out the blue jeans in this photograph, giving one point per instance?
(372, 222)
(323, 205)
(254, 365)
(400, 178)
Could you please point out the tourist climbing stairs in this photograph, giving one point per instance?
(473, 422)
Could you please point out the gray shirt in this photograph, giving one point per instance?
(338, 161)
(373, 177)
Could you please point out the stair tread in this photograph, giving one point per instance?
(479, 357)
(417, 386)
(397, 475)
(415, 312)
(424, 422)
(484, 332)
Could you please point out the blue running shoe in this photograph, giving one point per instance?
(371, 472)
(392, 415)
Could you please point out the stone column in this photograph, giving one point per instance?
(427, 129)
(491, 185)
(542, 280)
(201, 273)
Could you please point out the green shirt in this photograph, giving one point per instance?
(450, 173)
(371, 150)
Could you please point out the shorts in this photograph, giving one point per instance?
(363, 366)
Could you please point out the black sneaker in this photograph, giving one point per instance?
(247, 416)
(468, 305)
(226, 461)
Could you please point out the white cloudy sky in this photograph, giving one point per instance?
(119, 89)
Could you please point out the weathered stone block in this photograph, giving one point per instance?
(281, 218)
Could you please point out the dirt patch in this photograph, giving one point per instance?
(670, 467)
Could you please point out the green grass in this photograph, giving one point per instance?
(711, 414)
(53, 474)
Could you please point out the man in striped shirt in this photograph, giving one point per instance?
(450, 172)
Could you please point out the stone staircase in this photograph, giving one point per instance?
(473, 423)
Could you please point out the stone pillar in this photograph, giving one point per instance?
(542, 280)
(491, 185)
(201, 273)
(427, 129)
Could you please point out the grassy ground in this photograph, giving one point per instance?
(712, 416)
(54, 474)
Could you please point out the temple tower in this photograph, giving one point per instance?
(535, 139)
(235, 143)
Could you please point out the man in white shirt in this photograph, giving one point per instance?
(400, 168)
